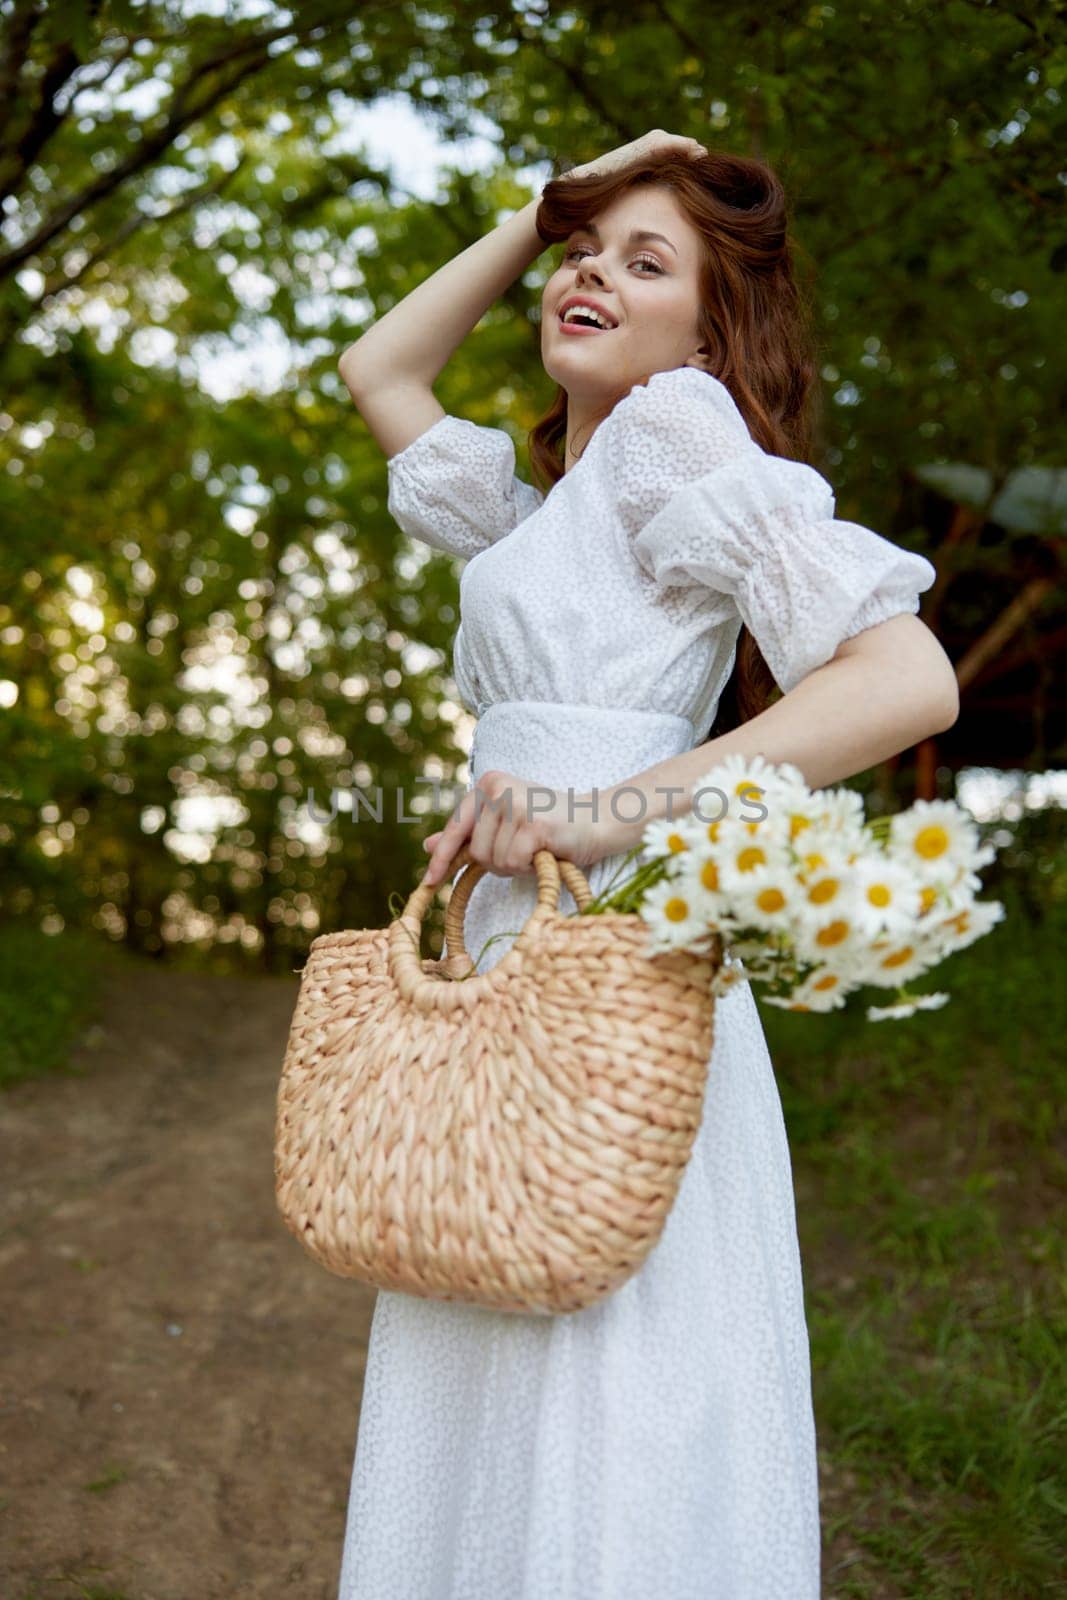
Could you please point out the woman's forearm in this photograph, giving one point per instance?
(413, 341)
(862, 707)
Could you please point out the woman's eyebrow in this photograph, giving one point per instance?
(636, 233)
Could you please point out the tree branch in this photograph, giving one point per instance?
(137, 219)
(1001, 629)
(140, 157)
(577, 78)
(246, 56)
(18, 36)
(110, 66)
(682, 34)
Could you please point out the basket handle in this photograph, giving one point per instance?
(456, 910)
(456, 962)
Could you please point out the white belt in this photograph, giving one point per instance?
(566, 745)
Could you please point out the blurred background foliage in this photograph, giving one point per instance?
(207, 617)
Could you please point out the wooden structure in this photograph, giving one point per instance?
(999, 607)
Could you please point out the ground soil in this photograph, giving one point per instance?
(181, 1382)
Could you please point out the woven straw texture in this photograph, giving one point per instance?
(513, 1138)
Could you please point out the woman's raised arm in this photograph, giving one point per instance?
(391, 368)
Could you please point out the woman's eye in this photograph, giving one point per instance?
(577, 250)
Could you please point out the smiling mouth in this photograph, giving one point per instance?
(579, 324)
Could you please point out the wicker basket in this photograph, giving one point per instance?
(515, 1139)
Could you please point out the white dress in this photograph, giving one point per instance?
(662, 1442)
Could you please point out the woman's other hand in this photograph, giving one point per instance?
(506, 821)
(656, 142)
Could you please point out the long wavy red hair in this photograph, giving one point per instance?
(755, 317)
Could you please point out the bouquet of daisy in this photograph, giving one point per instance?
(811, 900)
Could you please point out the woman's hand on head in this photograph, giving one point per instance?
(655, 142)
(505, 821)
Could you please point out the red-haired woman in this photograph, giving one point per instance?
(680, 555)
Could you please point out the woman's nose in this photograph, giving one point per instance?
(588, 268)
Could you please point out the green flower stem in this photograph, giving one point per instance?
(879, 827)
(628, 895)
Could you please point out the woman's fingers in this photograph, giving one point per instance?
(450, 839)
(488, 819)
(656, 140)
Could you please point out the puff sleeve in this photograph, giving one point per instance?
(757, 527)
(455, 487)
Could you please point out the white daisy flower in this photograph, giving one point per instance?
(934, 897)
(818, 844)
(701, 832)
(674, 915)
(931, 1002)
(698, 879)
(793, 812)
(907, 1008)
(667, 837)
(892, 962)
(963, 927)
(888, 1013)
(821, 990)
(741, 847)
(887, 895)
(835, 938)
(825, 880)
(765, 897)
(935, 837)
(736, 777)
(840, 810)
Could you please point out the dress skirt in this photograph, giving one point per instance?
(659, 1445)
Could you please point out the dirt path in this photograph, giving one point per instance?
(181, 1383)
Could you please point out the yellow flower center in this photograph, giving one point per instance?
(709, 875)
(675, 842)
(898, 957)
(797, 822)
(713, 830)
(813, 861)
(931, 842)
(927, 896)
(827, 981)
(750, 857)
(879, 895)
(833, 933)
(825, 889)
(770, 899)
(676, 909)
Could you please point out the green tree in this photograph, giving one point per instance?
(206, 596)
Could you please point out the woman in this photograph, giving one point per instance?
(660, 1442)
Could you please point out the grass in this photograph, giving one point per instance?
(49, 990)
(91, 1591)
(930, 1167)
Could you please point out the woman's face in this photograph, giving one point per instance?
(647, 288)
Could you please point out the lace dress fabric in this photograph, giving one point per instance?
(663, 1441)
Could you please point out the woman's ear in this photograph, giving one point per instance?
(701, 359)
